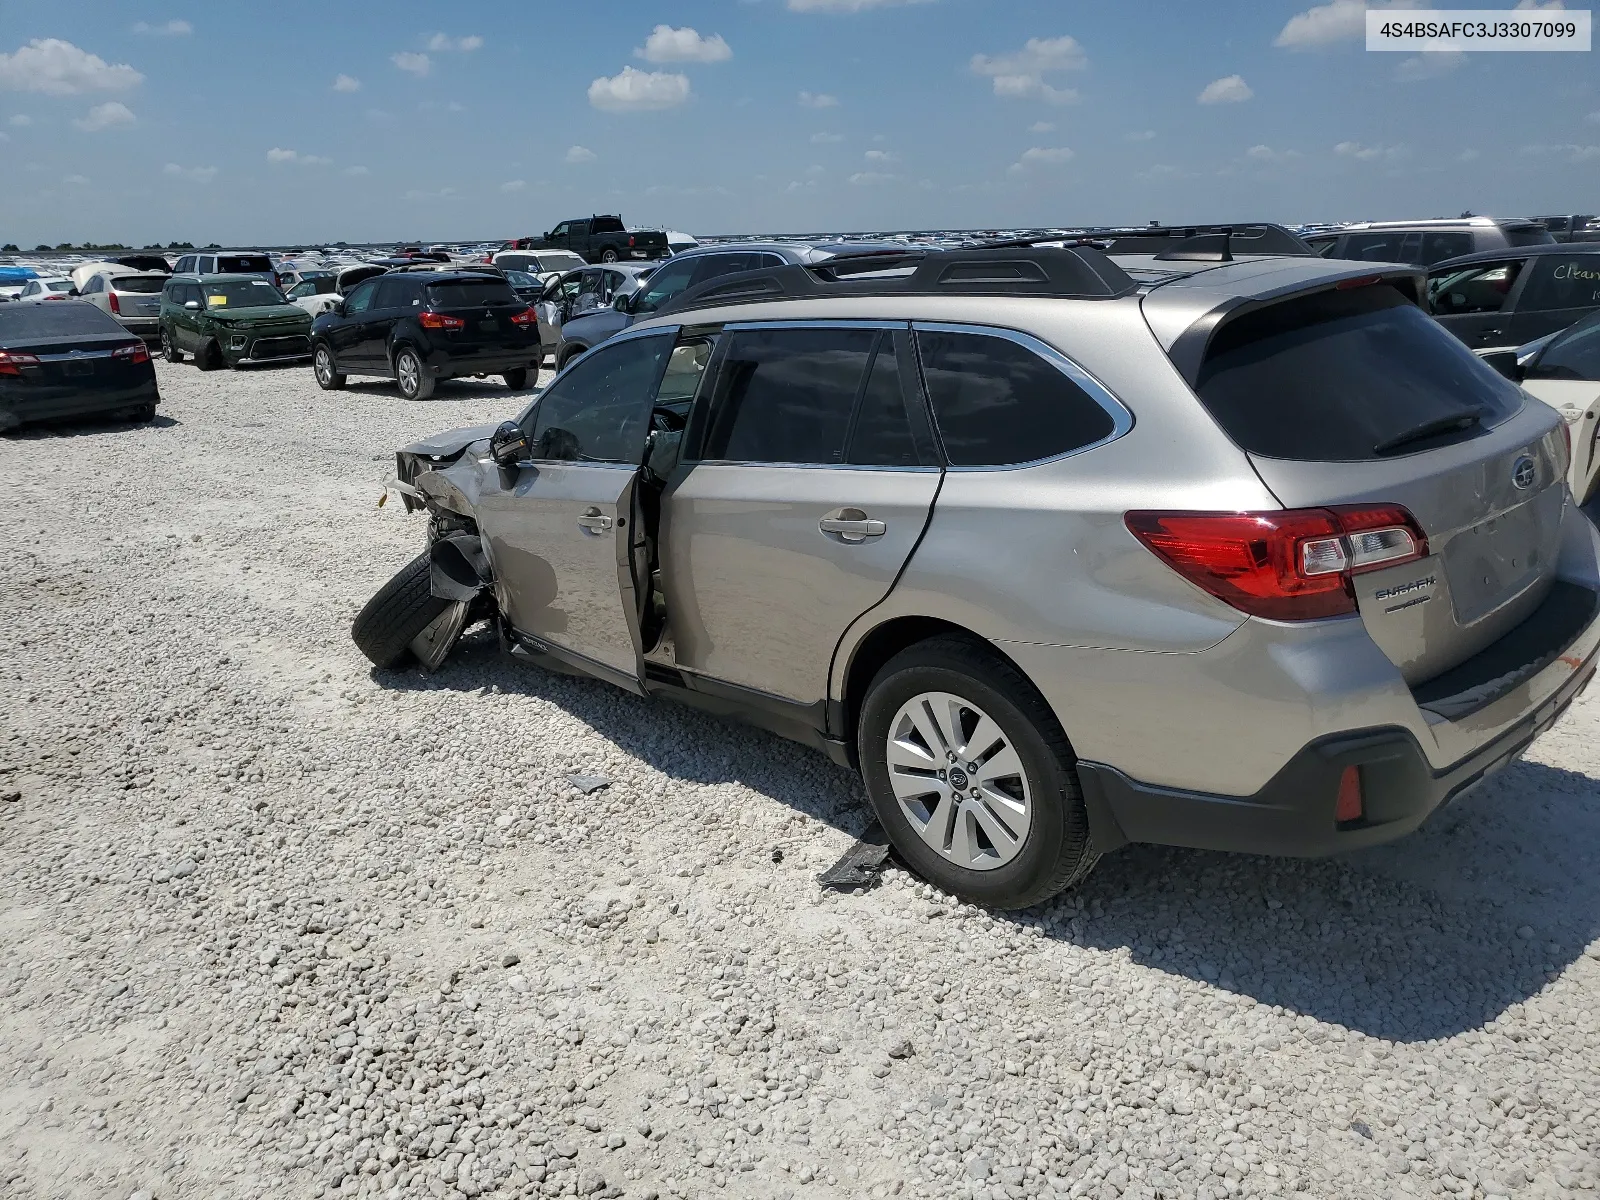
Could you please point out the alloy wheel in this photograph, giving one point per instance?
(324, 367)
(959, 781)
(410, 374)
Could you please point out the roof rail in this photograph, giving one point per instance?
(1075, 273)
(1204, 243)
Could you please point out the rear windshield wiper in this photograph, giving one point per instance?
(1427, 429)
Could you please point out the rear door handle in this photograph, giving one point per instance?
(595, 521)
(852, 525)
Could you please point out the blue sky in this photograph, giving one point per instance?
(297, 121)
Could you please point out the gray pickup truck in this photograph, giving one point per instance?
(600, 239)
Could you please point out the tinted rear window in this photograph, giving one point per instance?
(147, 285)
(21, 321)
(1528, 235)
(243, 264)
(471, 293)
(606, 225)
(1329, 377)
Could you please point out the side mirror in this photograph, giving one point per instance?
(509, 446)
(74, 292)
(623, 303)
(192, 305)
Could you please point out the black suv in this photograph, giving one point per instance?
(418, 327)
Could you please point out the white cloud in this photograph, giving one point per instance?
(75, 180)
(1593, 118)
(826, 139)
(1362, 153)
(1338, 21)
(1572, 152)
(1040, 156)
(869, 178)
(1141, 135)
(844, 6)
(1468, 155)
(639, 91)
(666, 44)
(444, 43)
(23, 119)
(581, 154)
(818, 100)
(169, 29)
(513, 185)
(1230, 89)
(1420, 67)
(346, 83)
(59, 68)
(416, 64)
(1042, 127)
(1266, 154)
(1021, 75)
(355, 172)
(882, 156)
(816, 169)
(110, 115)
(192, 174)
(280, 155)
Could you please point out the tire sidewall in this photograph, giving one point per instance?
(610, 256)
(1049, 785)
(399, 376)
(318, 356)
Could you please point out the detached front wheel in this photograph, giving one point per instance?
(405, 620)
(971, 776)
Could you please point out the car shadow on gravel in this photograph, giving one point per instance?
(1428, 937)
(74, 427)
(447, 389)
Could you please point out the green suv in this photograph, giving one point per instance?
(230, 319)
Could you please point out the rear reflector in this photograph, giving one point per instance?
(1290, 565)
(1349, 806)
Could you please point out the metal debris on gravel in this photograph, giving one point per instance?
(320, 1007)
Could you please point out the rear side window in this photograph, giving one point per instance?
(1333, 376)
(243, 264)
(1436, 247)
(787, 395)
(471, 293)
(881, 435)
(996, 403)
(1573, 355)
(19, 321)
(1375, 247)
(397, 292)
(1480, 289)
(1562, 281)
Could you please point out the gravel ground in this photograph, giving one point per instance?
(275, 925)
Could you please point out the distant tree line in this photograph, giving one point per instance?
(68, 247)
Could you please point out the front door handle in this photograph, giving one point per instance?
(595, 521)
(851, 525)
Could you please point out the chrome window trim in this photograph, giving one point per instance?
(820, 323)
(1122, 419)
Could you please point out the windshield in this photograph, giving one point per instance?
(244, 293)
(63, 285)
(521, 279)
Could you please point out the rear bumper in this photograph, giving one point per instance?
(145, 327)
(1293, 813)
(15, 410)
(445, 366)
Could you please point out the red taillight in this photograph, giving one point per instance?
(134, 354)
(433, 320)
(116, 305)
(525, 318)
(1348, 807)
(10, 364)
(1344, 285)
(1292, 565)
(630, 239)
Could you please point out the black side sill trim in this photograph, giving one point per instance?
(1516, 658)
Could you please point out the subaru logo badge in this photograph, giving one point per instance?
(1523, 472)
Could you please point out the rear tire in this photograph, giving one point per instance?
(401, 609)
(1054, 850)
(609, 255)
(516, 380)
(208, 357)
(567, 355)
(414, 380)
(169, 351)
(322, 365)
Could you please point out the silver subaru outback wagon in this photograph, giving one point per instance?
(1062, 550)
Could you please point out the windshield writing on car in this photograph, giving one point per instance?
(243, 294)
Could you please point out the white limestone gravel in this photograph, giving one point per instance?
(275, 925)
